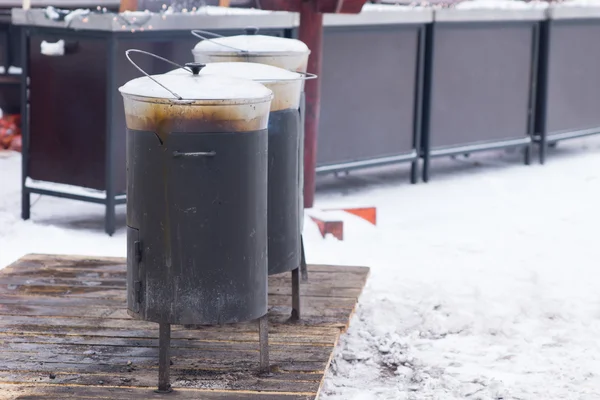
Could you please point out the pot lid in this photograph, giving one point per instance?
(204, 88)
(245, 70)
(261, 44)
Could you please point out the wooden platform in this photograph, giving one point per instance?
(65, 333)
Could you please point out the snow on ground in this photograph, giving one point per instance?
(500, 4)
(484, 282)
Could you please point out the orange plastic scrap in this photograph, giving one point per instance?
(6, 136)
(333, 227)
(9, 131)
(16, 143)
(369, 214)
(13, 119)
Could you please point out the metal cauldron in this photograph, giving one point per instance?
(290, 54)
(196, 199)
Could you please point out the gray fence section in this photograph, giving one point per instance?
(369, 94)
(480, 83)
(573, 92)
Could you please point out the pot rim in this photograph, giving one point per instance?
(196, 102)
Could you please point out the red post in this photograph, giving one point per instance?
(311, 33)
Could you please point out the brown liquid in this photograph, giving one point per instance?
(164, 118)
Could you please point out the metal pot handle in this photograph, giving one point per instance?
(199, 32)
(306, 76)
(145, 73)
(177, 154)
(215, 36)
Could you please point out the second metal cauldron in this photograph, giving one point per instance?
(284, 199)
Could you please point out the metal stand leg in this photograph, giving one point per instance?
(414, 172)
(164, 360)
(296, 294)
(528, 152)
(543, 149)
(426, 168)
(25, 203)
(263, 335)
(109, 157)
(25, 195)
(109, 218)
(303, 268)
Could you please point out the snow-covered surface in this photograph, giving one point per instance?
(249, 70)
(575, 9)
(577, 3)
(500, 5)
(484, 282)
(490, 11)
(11, 70)
(213, 10)
(373, 7)
(252, 44)
(381, 14)
(225, 89)
(53, 48)
(67, 189)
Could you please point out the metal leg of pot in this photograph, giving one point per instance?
(303, 267)
(425, 171)
(164, 360)
(25, 195)
(109, 216)
(263, 336)
(25, 203)
(543, 148)
(414, 172)
(528, 153)
(296, 294)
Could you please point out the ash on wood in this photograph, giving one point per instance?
(65, 333)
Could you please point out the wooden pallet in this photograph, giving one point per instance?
(65, 333)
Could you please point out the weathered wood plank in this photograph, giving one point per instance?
(278, 287)
(214, 367)
(65, 333)
(333, 314)
(280, 315)
(81, 262)
(279, 353)
(59, 392)
(323, 282)
(17, 322)
(208, 336)
(228, 379)
(104, 345)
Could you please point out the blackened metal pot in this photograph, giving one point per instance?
(197, 198)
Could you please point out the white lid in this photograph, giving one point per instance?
(245, 70)
(202, 87)
(252, 44)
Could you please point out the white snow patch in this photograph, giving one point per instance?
(368, 7)
(500, 4)
(577, 3)
(11, 70)
(214, 10)
(80, 12)
(67, 189)
(53, 49)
